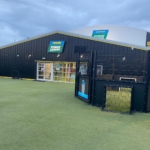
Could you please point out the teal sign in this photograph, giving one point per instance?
(56, 46)
(100, 34)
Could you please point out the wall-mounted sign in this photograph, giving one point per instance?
(56, 46)
(83, 88)
(100, 34)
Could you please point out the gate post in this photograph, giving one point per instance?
(76, 78)
(147, 80)
(94, 76)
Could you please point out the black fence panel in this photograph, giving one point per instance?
(148, 102)
(118, 98)
(138, 97)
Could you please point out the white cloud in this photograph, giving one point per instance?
(20, 19)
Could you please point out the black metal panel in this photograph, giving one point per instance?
(22, 57)
(138, 93)
(37, 49)
(148, 101)
(80, 49)
(133, 65)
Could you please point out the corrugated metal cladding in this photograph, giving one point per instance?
(30, 51)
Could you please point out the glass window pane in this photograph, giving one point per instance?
(83, 68)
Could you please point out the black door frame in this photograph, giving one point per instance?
(88, 76)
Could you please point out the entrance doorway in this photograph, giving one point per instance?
(56, 71)
(45, 71)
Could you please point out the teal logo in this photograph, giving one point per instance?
(56, 46)
(100, 34)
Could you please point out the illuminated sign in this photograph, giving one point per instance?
(100, 34)
(56, 46)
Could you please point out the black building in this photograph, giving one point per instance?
(102, 64)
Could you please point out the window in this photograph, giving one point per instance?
(64, 71)
(83, 68)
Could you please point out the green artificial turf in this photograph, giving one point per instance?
(46, 116)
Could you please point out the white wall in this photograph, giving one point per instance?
(117, 33)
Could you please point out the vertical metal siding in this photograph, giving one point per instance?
(38, 49)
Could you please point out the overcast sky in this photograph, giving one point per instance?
(20, 19)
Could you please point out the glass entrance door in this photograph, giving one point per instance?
(40, 71)
(45, 71)
(49, 71)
